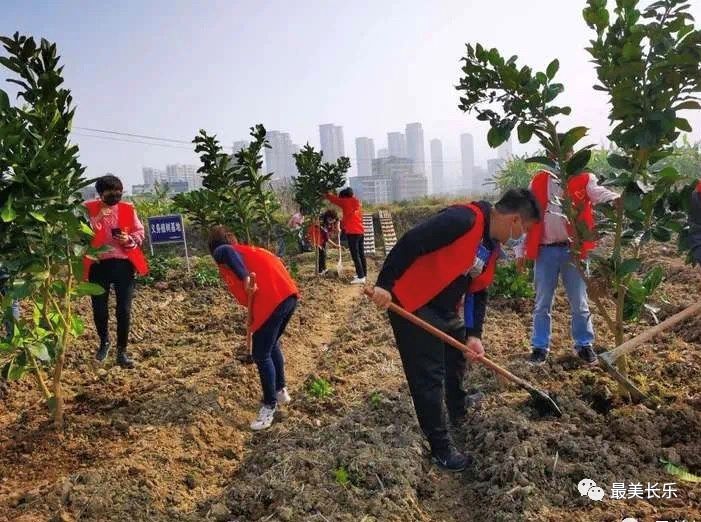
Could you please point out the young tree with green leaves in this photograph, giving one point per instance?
(235, 192)
(650, 71)
(43, 230)
(316, 179)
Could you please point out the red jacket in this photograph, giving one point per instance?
(431, 273)
(127, 222)
(352, 220)
(273, 281)
(577, 192)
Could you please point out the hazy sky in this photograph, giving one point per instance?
(169, 68)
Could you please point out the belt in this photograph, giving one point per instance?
(557, 244)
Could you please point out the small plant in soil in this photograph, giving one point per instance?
(341, 476)
(320, 388)
(509, 284)
(375, 399)
(206, 275)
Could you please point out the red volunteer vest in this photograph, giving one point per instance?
(577, 192)
(274, 283)
(315, 236)
(698, 186)
(127, 222)
(431, 273)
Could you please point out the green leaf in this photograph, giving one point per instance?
(77, 326)
(631, 201)
(619, 162)
(682, 124)
(679, 472)
(689, 104)
(543, 160)
(38, 216)
(41, 352)
(572, 136)
(578, 162)
(661, 234)
(525, 132)
(86, 288)
(552, 69)
(629, 266)
(8, 213)
(496, 137)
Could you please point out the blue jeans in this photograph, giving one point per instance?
(267, 353)
(553, 262)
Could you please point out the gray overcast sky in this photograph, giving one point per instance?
(168, 68)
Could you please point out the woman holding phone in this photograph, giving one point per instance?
(118, 229)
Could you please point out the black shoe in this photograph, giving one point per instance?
(587, 354)
(451, 459)
(102, 351)
(538, 357)
(123, 360)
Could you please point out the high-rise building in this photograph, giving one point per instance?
(364, 154)
(153, 176)
(396, 144)
(437, 171)
(415, 146)
(331, 140)
(467, 151)
(278, 158)
(382, 153)
(405, 184)
(184, 173)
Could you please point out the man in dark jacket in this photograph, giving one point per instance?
(428, 272)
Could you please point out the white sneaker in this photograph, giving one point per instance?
(283, 397)
(264, 420)
(358, 281)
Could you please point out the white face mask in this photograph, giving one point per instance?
(513, 241)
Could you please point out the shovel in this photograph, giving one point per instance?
(248, 357)
(543, 402)
(609, 358)
(339, 265)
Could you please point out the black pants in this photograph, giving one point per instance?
(356, 245)
(434, 371)
(322, 259)
(120, 274)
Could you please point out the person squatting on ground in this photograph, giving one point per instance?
(352, 226)
(274, 301)
(319, 235)
(549, 245)
(118, 229)
(428, 272)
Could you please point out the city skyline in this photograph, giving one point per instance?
(113, 58)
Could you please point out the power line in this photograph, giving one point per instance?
(130, 141)
(118, 133)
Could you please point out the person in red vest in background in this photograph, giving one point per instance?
(548, 244)
(319, 234)
(695, 225)
(352, 225)
(116, 227)
(274, 303)
(428, 272)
